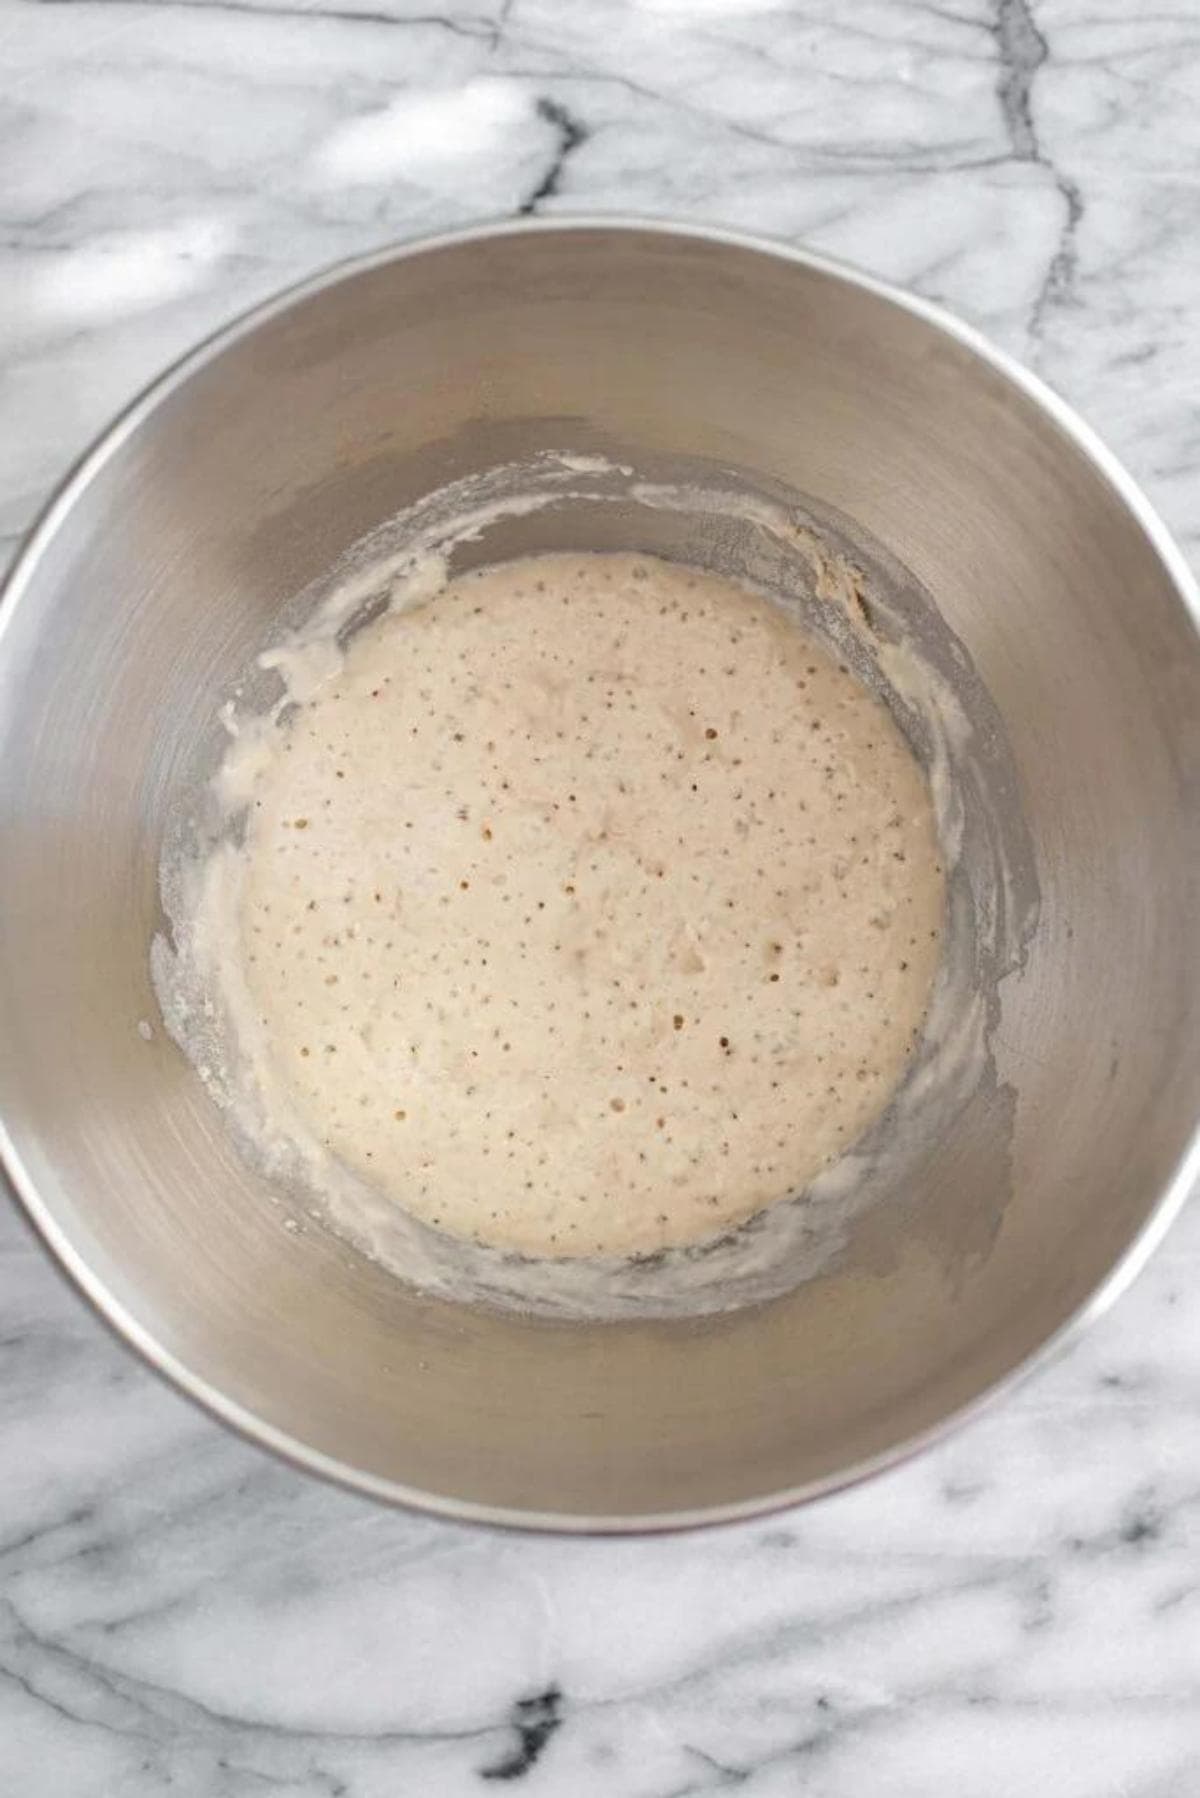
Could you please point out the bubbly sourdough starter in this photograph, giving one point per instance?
(590, 907)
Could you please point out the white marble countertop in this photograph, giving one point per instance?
(1019, 1611)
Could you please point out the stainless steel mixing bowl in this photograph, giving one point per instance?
(247, 471)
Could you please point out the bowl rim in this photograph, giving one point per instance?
(240, 1418)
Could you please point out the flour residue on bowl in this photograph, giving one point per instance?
(561, 925)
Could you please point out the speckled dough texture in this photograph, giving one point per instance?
(591, 907)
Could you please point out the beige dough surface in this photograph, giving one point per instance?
(591, 907)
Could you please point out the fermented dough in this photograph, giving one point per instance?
(590, 907)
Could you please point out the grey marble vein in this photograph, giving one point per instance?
(1018, 1611)
(1023, 51)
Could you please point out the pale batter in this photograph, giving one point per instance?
(590, 907)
